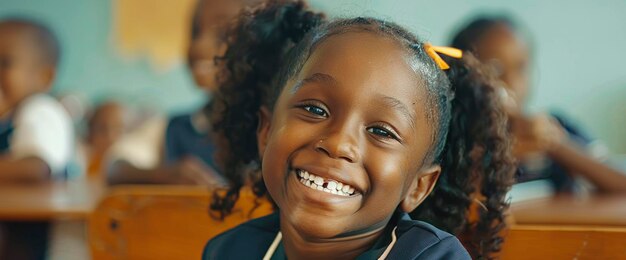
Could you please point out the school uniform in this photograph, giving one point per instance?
(6, 129)
(189, 135)
(413, 240)
(39, 127)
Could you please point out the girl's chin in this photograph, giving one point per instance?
(318, 232)
(316, 227)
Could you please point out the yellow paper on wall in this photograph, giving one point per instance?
(158, 29)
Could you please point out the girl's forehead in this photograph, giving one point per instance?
(365, 69)
(363, 58)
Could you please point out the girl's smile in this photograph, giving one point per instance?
(331, 186)
(319, 196)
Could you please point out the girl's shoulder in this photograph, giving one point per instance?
(420, 240)
(249, 240)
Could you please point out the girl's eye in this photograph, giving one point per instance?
(382, 132)
(318, 111)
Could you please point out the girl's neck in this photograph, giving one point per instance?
(301, 247)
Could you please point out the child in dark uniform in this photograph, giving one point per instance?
(548, 146)
(187, 152)
(258, 44)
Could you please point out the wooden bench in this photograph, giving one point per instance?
(162, 222)
(564, 242)
(571, 210)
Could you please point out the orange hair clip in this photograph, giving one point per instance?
(433, 52)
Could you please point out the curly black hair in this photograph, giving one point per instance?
(477, 165)
(257, 45)
(270, 45)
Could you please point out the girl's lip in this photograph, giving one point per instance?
(331, 174)
(321, 198)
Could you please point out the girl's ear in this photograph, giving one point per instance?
(263, 129)
(420, 188)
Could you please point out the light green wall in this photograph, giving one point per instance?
(91, 65)
(578, 52)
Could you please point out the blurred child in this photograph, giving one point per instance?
(313, 117)
(105, 126)
(188, 149)
(35, 131)
(548, 146)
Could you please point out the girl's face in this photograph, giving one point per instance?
(213, 16)
(354, 117)
(23, 70)
(508, 53)
(202, 53)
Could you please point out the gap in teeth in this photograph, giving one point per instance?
(318, 183)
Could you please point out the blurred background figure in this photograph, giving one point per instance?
(547, 145)
(107, 124)
(187, 150)
(36, 133)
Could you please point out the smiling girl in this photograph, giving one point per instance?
(351, 139)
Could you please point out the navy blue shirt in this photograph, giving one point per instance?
(186, 136)
(6, 129)
(415, 240)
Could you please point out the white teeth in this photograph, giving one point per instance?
(331, 185)
(318, 183)
(319, 180)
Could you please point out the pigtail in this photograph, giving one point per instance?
(257, 44)
(477, 166)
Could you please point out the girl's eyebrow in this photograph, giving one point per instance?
(398, 105)
(387, 100)
(315, 78)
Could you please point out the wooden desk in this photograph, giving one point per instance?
(163, 222)
(557, 242)
(596, 210)
(73, 200)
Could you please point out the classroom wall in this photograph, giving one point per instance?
(578, 49)
(92, 65)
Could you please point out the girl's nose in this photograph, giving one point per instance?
(341, 144)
